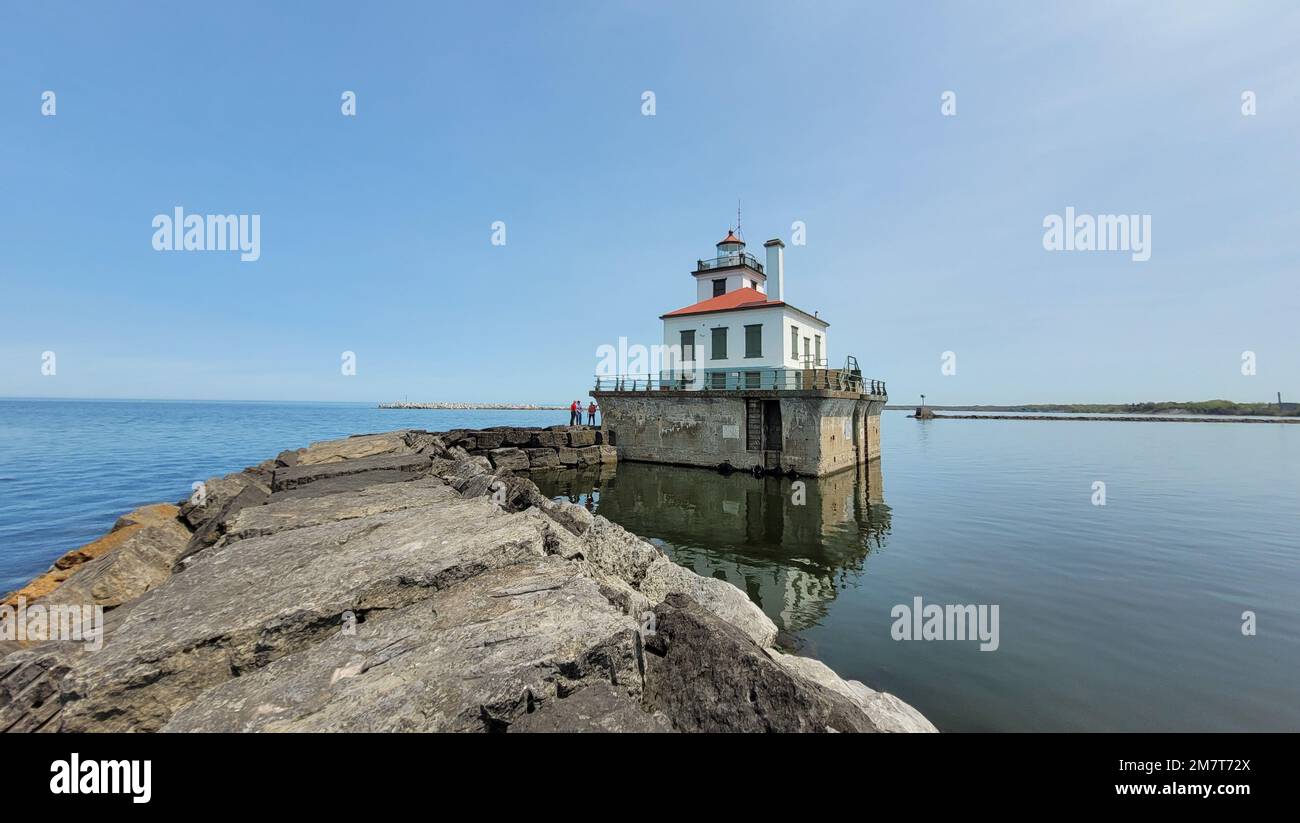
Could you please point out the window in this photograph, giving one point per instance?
(818, 340)
(754, 341)
(688, 346)
(794, 343)
(751, 284)
(688, 354)
(719, 287)
(718, 351)
(718, 380)
(753, 379)
(807, 350)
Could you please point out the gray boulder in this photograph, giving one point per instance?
(887, 713)
(385, 468)
(518, 437)
(354, 448)
(508, 459)
(579, 438)
(596, 708)
(476, 656)
(257, 600)
(143, 562)
(302, 512)
(708, 676)
(664, 577)
(542, 458)
(215, 492)
(489, 439)
(213, 529)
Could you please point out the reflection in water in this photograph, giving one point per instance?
(790, 544)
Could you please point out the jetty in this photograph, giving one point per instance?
(408, 581)
(474, 406)
(926, 414)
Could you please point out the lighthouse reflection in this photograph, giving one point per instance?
(790, 544)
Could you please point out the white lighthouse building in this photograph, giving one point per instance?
(750, 386)
(740, 332)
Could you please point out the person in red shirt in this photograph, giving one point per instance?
(591, 414)
(575, 415)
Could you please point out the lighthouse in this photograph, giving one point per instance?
(749, 384)
(740, 332)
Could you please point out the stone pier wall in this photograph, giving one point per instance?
(821, 432)
(528, 449)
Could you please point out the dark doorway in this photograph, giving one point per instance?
(772, 425)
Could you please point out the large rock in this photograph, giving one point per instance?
(142, 562)
(257, 600)
(424, 442)
(618, 551)
(629, 558)
(664, 577)
(542, 458)
(476, 656)
(513, 436)
(215, 492)
(354, 448)
(29, 687)
(596, 708)
(582, 437)
(548, 439)
(161, 518)
(214, 528)
(707, 675)
(347, 483)
(887, 713)
(596, 455)
(573, 517)
(386, 468)
(508, 459)
(302, 512)
(489, 439)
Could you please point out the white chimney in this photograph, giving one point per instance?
(775, 269)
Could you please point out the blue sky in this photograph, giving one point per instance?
(924, 232)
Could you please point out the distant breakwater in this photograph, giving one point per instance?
(472, 406)
(1135, 418)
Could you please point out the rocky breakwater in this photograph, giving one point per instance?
(410, 581)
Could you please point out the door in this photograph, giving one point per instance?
(772, 425)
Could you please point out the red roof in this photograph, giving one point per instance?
(731, 301)
(730, 238)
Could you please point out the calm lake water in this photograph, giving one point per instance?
(1119, 617)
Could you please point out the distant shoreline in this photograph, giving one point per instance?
(472, 406)
(1132, 418)
(1190, 408)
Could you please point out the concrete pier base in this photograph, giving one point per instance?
(812, 432)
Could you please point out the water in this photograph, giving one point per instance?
(1118, 617)
(69, 469)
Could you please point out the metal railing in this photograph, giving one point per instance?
(765, 379)
(725, 260)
